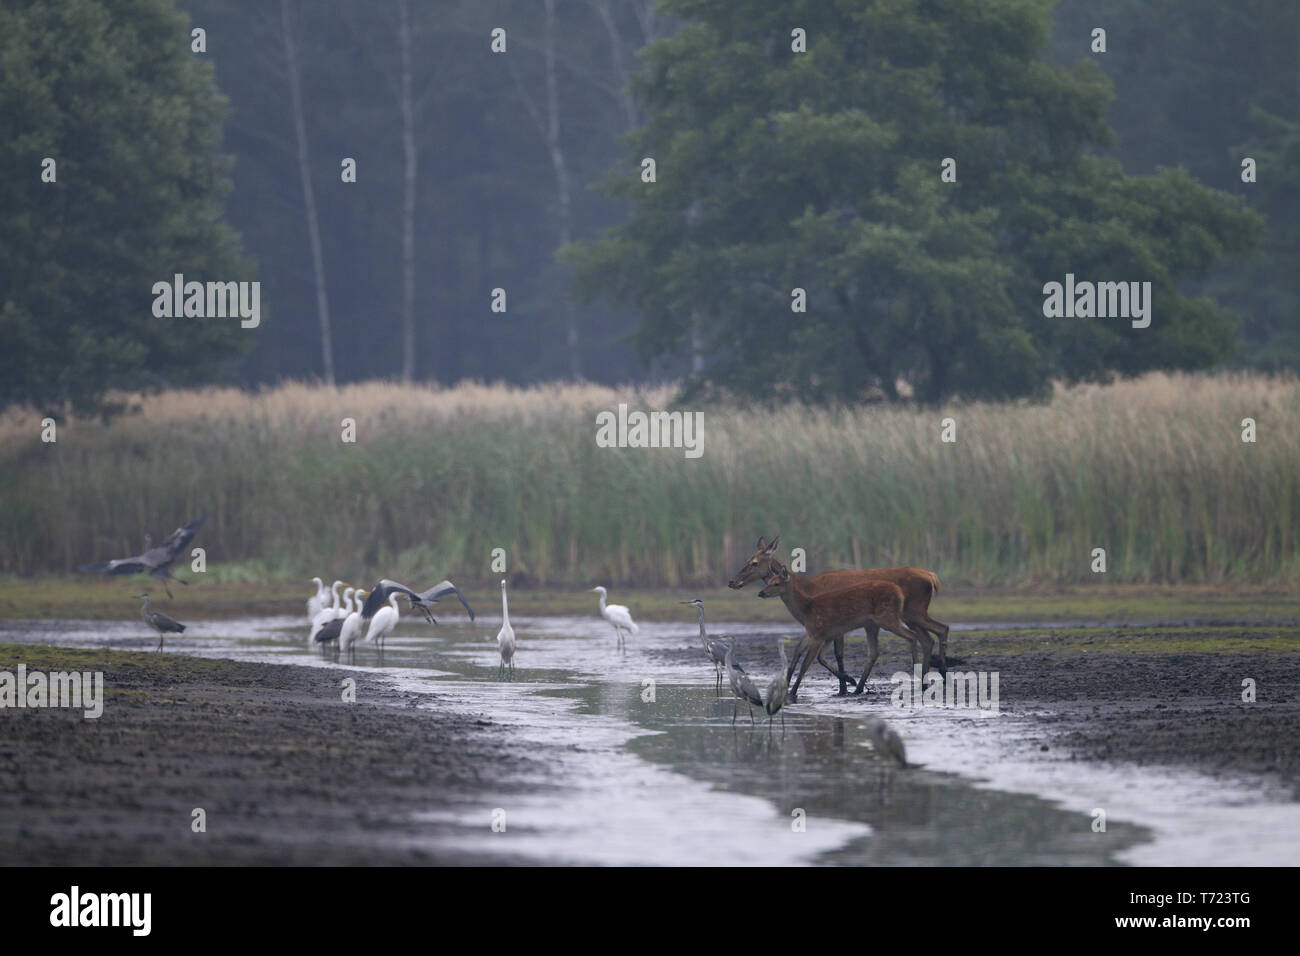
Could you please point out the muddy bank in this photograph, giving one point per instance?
(1168, 696)
(286, 772)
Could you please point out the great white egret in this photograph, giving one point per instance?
(156, 561)
(317, 600)
(617, 615)
(325, 614)
(383, 621)
(159, 621)
(741, 686)
(351, 628)
(506, 637)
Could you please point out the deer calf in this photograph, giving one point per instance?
(917, 584)
(832, 614)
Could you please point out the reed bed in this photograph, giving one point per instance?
(1153, 470)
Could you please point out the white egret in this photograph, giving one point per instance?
(159, 621)
(617, 615)
(325, 614)
(383, 621)
(351, 628)
(506, 637)
(317, 600)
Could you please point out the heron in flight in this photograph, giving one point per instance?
(157, 562)
(419, 599)
(159, 621)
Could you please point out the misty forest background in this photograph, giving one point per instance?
(775, 169)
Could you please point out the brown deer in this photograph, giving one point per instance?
(918, 585)
(832, 614)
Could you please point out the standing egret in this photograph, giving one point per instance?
(351, 629)
(156, 561)
(382, 622)
(325, 614)
(777, 690)
(886, 741)
(716, 650)
(506, 637)
(159, 621)
(617, 615)
(317, 600)
(741, 686)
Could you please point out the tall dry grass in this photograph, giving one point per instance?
(1153, 470)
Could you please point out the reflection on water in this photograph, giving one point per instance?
(671, 780)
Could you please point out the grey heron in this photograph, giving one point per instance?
(156, 562)
(330, 632)
(506, 637)
(617, 615)
(886, 742)
(777, 691)
(716, 650)
(159, 621)
(741, 686)
(419, 599)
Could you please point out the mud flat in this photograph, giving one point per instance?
(286, 772)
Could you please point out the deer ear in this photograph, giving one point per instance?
(772, 547)
(762, 544)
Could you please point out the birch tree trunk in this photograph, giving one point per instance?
(408, 197)
(308, 194)
(556, 149)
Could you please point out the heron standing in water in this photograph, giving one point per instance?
(741, 686)
(886, 741)
(716, 650)
(777, 690)
(159, 621)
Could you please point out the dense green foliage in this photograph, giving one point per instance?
(112, 93)
(821, 170)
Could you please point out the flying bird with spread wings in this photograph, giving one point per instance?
(157, 562)
(419, 599)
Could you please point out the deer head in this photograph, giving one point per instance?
(756, 566)
(776, 581)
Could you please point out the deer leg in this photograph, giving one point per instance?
(799, 650)
(839, 659)
(807, 659)
(873, 651)
(921, 620)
